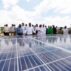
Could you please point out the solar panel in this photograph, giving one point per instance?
(33, 54)
(58, 40)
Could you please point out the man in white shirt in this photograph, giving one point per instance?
(12, 30)
(37, 29)
(44, 30)
(23, 28)
(34, 30)
(6, 30)
(40, 30)
(29, 29)
(65, 30)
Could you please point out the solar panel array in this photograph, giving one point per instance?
(32, 54)
(63, 41)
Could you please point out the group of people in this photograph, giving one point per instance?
(29, 29)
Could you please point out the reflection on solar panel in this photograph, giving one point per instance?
(58, 40)
(32, 54)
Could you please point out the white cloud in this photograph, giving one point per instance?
(18, 14)
(58, 21)
(8, 3)
(5, 18)
(59, 5)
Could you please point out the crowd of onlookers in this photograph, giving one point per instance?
(29, 29)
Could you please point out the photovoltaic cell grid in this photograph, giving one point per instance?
(63, 41)
(31, 54)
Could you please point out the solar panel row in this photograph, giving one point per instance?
(29, 54)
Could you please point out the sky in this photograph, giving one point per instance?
(48, 12)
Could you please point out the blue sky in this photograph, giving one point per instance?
(28, 5)
(57, 12)
(1, 5)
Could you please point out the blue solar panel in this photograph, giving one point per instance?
(34, 54)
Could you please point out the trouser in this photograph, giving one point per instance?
(12, 33)
(20, 34)
(6, 33)
(33, 33)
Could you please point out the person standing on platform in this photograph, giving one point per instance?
(13, 30)
(54, 30)
(34, 30)
(44, 30)
(40, 30)
(60, 31)
(23, 28)
(29, 29)
(69, 31)
(19, 31)
(6, 30)
(50, 30)
(37, 29)
(65, 30)
(65, 33)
